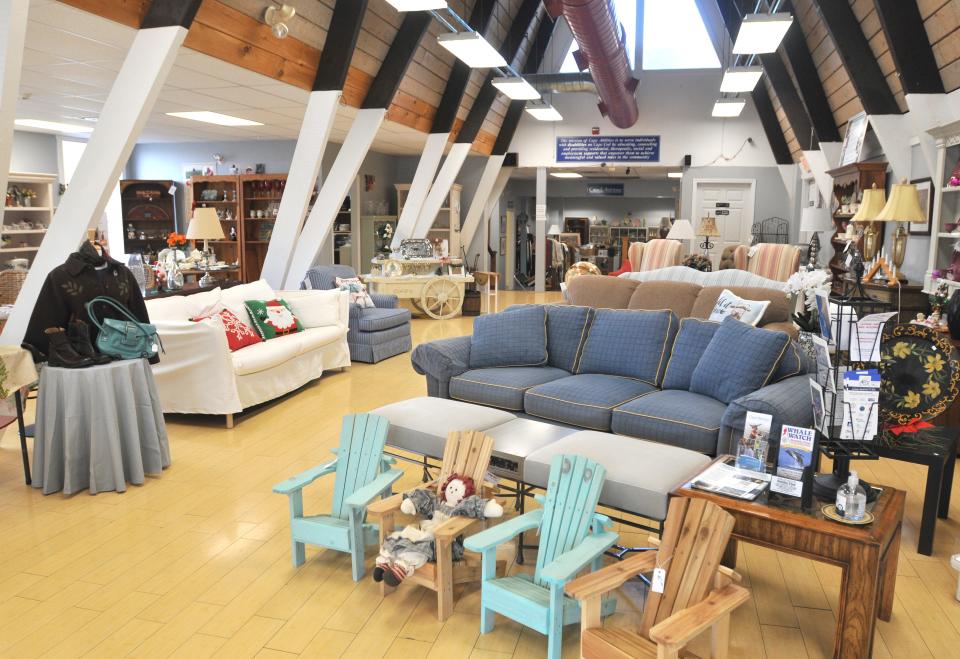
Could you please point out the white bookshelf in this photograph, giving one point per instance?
(25, 222)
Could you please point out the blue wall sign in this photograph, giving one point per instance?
(605, 189)
(609, 148)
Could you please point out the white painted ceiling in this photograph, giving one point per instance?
(72, 58)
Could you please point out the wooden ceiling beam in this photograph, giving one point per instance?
(910, 46)
(334, 65)
(397, 60)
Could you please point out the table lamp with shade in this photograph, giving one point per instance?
(554, 230)
(902, 206)
(813, 220)
(205, 225)
(708, 229)
(874, 199)
(682, 231)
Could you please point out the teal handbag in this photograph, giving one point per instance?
(123, 339)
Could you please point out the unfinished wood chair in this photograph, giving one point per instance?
(699, 594)
(466, 453)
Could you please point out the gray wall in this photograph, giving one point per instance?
(918, 247)
(34, 153)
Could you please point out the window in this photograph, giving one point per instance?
(627, 15)
(674, 37)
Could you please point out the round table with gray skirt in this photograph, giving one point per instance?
(98, 428)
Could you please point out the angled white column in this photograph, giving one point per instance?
(124, 114)
(540, 245)
(13, 30)
(480, 204)
(441, 188)
(304, 170)
(335, 187)
(420, 186)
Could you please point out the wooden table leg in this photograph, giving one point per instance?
(946, 488)
(859, 604)
(888, 576)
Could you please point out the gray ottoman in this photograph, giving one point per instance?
(640, 474)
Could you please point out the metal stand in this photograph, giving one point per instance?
(22, 430)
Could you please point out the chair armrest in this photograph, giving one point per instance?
(562, 568)
(611, 577)
(454, 527)
(383, 506)
(501, 533)
(384, 300)
(684, 626)
(303, 479)
(363, 496)
(442, 360)
(787, 401)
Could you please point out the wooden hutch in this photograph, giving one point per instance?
(849, 182)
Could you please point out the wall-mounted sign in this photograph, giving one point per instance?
(723, 212)
(609, 148)
(605, 189)
(722, 204)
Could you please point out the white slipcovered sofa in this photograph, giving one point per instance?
(199, 375)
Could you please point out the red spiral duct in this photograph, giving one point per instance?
(595, 27)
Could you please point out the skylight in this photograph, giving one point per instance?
(627, 15)
(674, 37)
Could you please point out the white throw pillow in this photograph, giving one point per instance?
(173, 308)
(234, 297)
(204, 304)
(314, 308)
(357, 290)
(746, 311)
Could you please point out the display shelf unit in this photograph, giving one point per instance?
(222, 193)
(446, 226)
(946, 209)
(849, 182)
(260, 196)
(343, 234)
(149, 210)
(25, 225)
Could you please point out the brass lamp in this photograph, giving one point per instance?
(903, 206)
(708, 229)
(870, 207)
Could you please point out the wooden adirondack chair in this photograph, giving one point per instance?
(699, 593)
(362, 474)
(466, 453)
(572, 537)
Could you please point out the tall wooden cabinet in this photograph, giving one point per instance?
(149, 210)
(223, 194)
(849, 182)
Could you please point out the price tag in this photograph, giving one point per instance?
(659, 580)
(849, 260)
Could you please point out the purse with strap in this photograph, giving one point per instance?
(123, 338)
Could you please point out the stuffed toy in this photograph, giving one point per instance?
(410, 548)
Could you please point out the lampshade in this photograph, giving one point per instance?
(871, 206)
(708, 227)
(903, 205)
(815, 219)
(681, 230)
(554, 230)
(205, 225)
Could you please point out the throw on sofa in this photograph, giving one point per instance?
(375, 333)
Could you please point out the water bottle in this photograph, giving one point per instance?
(852, 499)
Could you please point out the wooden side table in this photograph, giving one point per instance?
(489, 281)
(867, 554)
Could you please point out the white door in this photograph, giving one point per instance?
(731, 203)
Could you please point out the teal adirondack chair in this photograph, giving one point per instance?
(362, 474)
(572, 536)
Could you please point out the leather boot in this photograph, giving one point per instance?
(79, 335)
(61, 352)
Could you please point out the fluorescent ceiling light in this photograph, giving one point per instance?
(728, 108)
(208, 117)
(741, 79)
(472, 49)
(674, 174)
(761, 33)
(543, 111)
(516, 88)
(54, 126)
(417, 5)
(566, 175)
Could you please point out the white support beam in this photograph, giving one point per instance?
(13, 31)
(127, 108)
(479, 203)
(335, 187)
(818, 168)
(540, 244)
(420, 186)
(894, 134)
(440, 189)
(301, 181)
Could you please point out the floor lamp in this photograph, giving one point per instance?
(682, 230)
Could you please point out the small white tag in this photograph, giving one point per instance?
(788, 486)
(154, 347)
(659, 580)
(849, 260)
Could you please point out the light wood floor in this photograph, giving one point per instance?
(196, 562)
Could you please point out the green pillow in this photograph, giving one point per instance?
(272, 318)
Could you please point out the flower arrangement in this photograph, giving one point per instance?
(175, 240)
(806, 284)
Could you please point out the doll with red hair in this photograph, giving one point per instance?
(411, 547)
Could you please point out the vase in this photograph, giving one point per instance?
(953, 315)
(174, 278)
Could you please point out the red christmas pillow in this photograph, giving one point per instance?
(239, 334)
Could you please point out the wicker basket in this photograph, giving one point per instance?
(11, 281)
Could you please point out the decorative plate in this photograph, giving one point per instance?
(830, 512)
(919, 373)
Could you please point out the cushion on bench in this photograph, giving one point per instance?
(584, 400)
(501, 387)
(672, 416)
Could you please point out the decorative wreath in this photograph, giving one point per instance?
(920, 374)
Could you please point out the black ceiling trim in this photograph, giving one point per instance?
(338, 49)
(398, 58)
(460, 74)
(808, 80)
(857, 58)
(910, 46)
(508, 128)
(789, 99)
(167, 13)
(522, 24)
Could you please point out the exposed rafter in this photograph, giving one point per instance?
(768, 119)
(339, 46)
(859, 61)
(910, 46)
(170, 13)
(398, 58)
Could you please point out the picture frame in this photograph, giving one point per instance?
(853, 139)
(926, 190)
(199, 169)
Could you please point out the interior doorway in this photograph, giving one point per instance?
(731, 203)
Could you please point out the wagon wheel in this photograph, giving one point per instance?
(441, 298)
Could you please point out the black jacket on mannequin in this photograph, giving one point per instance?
(85, 275)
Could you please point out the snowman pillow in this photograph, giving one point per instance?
(272, 318)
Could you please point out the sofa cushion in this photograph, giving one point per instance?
(239, 334)
(380, 336)
(357, 291)
(233, 298)
(676, 417)
(738, 360)
(777, 311)
(374, 320)
(272, 318)
(692, 340)
(174, 308)
(678, 296)
(317, 337)
(205, 303)
(634, 344)
(518, 338)
(314, 308)
(261, 356)
(501, 387)
(734, 306)
(566, 333)
(791, 364)
(583, 400)
(600, 292)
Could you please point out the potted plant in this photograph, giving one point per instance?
(805, 285)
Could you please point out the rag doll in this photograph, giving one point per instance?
(408, 549)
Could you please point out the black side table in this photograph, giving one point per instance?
(937, 449)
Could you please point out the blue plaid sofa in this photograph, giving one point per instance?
(374, 333)
(637, 373)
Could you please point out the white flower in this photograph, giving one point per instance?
(807, 283)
